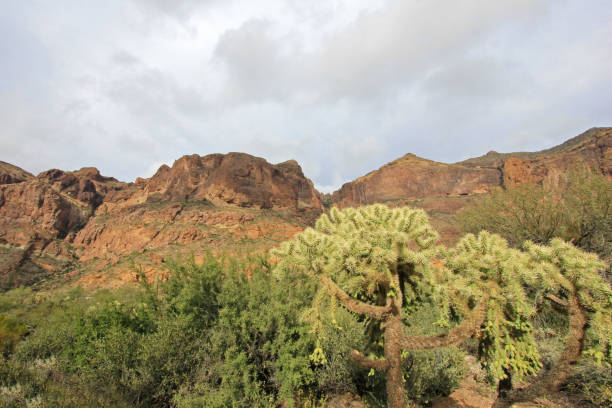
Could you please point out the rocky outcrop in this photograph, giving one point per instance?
(234, 179)
(10, 174)
(34, 209)
(40, 215)
(51, 205)
(199, 202)
(146, 228)
(86, 185)
(57, 203)
(411, 177)
(593, 153)
(34, 219)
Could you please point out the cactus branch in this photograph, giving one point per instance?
(365, 362)
(354, 305)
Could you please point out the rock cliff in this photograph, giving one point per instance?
(234, 179)
(411, 177)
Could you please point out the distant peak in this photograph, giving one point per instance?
(290, 164)
(10, 173)
(407, 158)
(88, 172)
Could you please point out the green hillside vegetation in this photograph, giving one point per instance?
(311, 322)
(578, 209)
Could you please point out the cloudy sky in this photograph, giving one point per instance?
(342, 86)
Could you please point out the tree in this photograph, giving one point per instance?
(382, 264)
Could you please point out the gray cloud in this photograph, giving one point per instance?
(342, 87)
(377, 53)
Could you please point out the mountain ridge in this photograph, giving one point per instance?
(92, 229)
(411, 177)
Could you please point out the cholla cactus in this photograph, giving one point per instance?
(378, 262)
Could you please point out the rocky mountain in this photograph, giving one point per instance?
(411, 177)
(85, 222)
(91, 229)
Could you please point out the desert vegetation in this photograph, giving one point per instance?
(365, 303)
(576, 208)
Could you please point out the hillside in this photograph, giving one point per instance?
(85, 227)
(82, 225)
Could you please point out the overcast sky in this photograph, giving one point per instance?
(342, 86)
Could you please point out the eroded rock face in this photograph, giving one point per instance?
(34, 208)
(86, 185)
(411, 177)
(51, 205)
(40, 215)
(234, 179)
(95, 220)
(594, 153)
(10, 174)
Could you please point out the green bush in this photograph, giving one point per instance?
(593, 383)
(335, 372)
(260, 345)
(433, 373)
(134, 352)
(577, 209)
(11, 331)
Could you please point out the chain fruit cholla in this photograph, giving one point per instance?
(378, 262)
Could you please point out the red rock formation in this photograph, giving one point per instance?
(99, 220)
(10, 174)
(34, 209)
(236, 179)
(85, 185)
(594, 153)
(411, 177)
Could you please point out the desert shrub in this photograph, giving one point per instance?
(93, 348)
(578, 209)
(164, 361)
(133, 352)
(13, 298)
(76, 335)
(433, 373)
(259, 349)
(592, 382)
(11, 331)
(518, 213)
(335, 372)
(190, 291)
